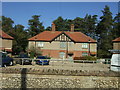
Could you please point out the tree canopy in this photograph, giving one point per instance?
(104, 29)
(35, 26)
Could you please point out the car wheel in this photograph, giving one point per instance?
(11, 63)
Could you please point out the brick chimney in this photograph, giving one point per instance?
(53, 27)
(72, 28)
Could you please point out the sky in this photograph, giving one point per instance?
(21, 12)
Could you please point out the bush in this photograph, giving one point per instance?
(90, 58)
(79, 58)
(85, 58)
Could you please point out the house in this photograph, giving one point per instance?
(116, 44)
(6, 40)
(63, 44)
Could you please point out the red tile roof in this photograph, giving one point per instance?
(5, 35)
(79, 37)
(45, 36)
(117, 39)
(50, 35)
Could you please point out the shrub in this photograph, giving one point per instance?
(90, 58)
(85, 58)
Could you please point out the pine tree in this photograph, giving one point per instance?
(116, 26)
(7, 24)
(35, 26)
(60, 24)
(104, 29)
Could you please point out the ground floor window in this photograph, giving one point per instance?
(61, 54)
(84, 54)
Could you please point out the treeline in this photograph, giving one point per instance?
(104, 30)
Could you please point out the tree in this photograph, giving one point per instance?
(48, 28)
(89, 25)
(116, 26)
(20, 39)
(60, 24)
(7, 24)
(79, 24)
(104, 32)
(0, 22)
(35, 26)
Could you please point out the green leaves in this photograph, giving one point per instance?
(104, 30)
(35, 26)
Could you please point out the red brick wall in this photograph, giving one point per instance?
(55, 53)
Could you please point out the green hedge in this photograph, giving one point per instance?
(86, 58)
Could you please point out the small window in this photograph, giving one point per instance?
(84, 45)
(84, 54)
(70, 43)
(62, 44)
(40, 44)
(62, 54)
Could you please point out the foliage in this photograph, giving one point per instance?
(0, 22)
(85, 58)
(35, 26)
(7, 24)
(90, 58)
(104, 32)
(60, 24)
(17, 32)
(90, 25)
(116, 26)
(20, 41)
(48, 28)
(34, 51)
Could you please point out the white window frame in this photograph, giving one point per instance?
(40, 44)
(62, 54)
(62, 44)
(84, 45)
(84, 54)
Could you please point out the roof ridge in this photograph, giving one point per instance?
(74, 36)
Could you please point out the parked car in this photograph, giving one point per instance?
(24, 60)
(5, 60)
(43, 60)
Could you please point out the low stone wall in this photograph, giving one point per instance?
(47, 71)
(58, 78)
(48, 81)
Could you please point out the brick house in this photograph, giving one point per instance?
(116, 44)
(64, 44)
(6, 42)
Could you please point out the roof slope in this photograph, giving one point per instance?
(50, 35)
(79, 37)
(117, 39)
(45, 36)
(5, 35)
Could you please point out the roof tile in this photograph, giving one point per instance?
(116, 40)
(5, 35)
(50, 35)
